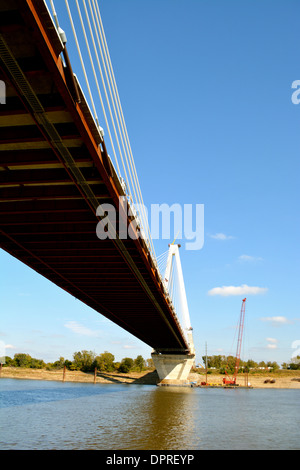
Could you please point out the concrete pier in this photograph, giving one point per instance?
(173, 369)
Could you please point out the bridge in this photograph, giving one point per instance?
(57, 178)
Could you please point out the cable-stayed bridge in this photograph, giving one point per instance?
(58, 181)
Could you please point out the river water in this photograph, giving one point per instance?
(42, 415)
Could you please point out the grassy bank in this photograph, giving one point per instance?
(282, 378)
(146, 377)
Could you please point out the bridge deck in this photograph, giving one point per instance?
(54, 172)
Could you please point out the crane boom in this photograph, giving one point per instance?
(240, 337)
(232, 381)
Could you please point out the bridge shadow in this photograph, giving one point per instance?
(149, 378)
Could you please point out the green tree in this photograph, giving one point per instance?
(251, 364)
(68, 364)
(217, 362)
(105, 362)
(126, 364)
(8, 361)
(139, 363)
(150, 363)
(37, 363)
(22, 360)
(60, 364)
(83, 360)
(295, 365)
(229, 364)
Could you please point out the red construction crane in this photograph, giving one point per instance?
(232, 380)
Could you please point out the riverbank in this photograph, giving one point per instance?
(272, 380)
(146, 377)
(290, 379)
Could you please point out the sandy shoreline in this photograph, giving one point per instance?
(148, 377)
(256, 381)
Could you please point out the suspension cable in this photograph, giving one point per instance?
(88, 84)
(98, 15)
(102, 78)
(98, 38)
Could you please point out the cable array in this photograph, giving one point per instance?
(94, 57)
(162, 262)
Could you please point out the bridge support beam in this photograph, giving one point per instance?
(173, 369)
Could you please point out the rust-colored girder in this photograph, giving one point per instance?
(54, 172)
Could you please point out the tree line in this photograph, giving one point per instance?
(227, 363)
(87, 361)
(84, 361)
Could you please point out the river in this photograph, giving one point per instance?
(44, 415)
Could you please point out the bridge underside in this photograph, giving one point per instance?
(54, 171)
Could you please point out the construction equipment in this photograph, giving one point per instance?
(232, 380)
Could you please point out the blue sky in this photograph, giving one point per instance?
(206, 92)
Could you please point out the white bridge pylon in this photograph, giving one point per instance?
(176, 288)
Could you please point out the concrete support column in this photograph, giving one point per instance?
(173, 369)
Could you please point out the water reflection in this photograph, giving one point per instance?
(162, 419)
